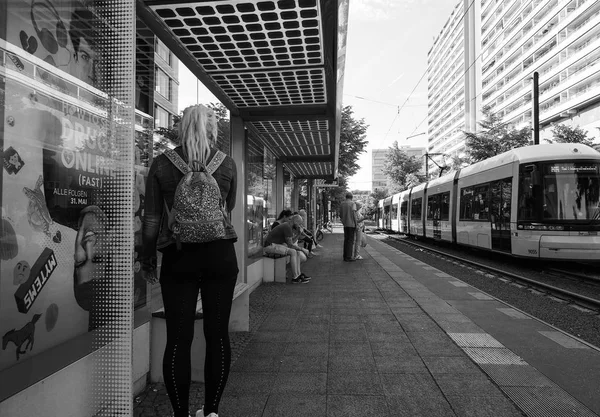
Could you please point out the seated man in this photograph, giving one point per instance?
(279, 241)
(284, 216)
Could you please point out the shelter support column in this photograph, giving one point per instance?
(279, 187)
(238, 214)
(295, 194)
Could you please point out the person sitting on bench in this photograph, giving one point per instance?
(279, 241)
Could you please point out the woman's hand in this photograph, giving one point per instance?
(149, 275)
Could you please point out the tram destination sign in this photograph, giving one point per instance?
(569, 168)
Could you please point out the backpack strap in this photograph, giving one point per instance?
(177, 160)
(215, 162)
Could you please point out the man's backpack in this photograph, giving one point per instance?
(197, 215)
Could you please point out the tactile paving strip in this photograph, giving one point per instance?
(547, 401)
(248, 34)
(516, 376)
(493, 356)
(474, 340)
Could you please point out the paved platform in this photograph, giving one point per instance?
(385, 336)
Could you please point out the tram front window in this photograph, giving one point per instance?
(561, 191)
(571, 191)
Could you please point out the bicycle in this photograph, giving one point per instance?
(320, 235)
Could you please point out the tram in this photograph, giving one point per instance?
(540, 201)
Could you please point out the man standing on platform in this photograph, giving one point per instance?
(349, 221)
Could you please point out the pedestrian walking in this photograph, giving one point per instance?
(348, 219)
(188, 268)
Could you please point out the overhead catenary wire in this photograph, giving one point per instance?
(421, 79)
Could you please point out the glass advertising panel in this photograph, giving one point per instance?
(66, 188)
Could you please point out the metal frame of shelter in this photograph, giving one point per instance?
(277, 65)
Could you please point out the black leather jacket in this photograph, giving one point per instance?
(162, 180)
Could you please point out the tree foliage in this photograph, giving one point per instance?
(562, 133)
(404, 171)
(494, 138)
(353, 142)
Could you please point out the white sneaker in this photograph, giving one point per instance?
(359, 257)
(200, 413)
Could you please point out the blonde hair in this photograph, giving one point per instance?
(197, 132)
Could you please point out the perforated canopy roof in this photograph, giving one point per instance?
(279, 65)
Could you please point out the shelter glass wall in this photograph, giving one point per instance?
(260, 204)
(67, 194)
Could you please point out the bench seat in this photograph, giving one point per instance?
(274, 267)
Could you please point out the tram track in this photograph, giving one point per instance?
(577, 299)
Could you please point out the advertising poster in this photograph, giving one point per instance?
(59, 162)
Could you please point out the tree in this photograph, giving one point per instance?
(352, 143)
(404, 171)
(562, 133)
(494, 138)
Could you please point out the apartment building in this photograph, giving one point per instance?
(166, 85)
(378, 179)
(453, 78)
(558, 39)
(486, 55)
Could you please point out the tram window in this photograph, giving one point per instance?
(415, 208)
(526, 197)
(481, 208)
(395, 212)
(403, 209)
(466, 204)
(433, 207)
(445, 206)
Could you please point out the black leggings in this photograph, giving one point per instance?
(179, 296)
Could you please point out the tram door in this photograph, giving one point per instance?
(500, 209)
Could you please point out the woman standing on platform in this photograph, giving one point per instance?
(210, 268)
(360, 227)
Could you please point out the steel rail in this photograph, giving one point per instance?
(574, 275)
(582, 300)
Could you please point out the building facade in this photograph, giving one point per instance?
(560, 40)
(379, 180)
(494, 48)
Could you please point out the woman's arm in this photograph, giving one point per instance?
(153, 211)
(231, 196)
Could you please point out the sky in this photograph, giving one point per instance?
(386, 55)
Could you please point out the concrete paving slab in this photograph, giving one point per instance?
(354, 383)
(294, 405)
(461, 384)
(309, 349)
(354, 364)
(300, 383)
(475, 405)
(357, 405)
(454, 365)
(400, 364)
(424, 404)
